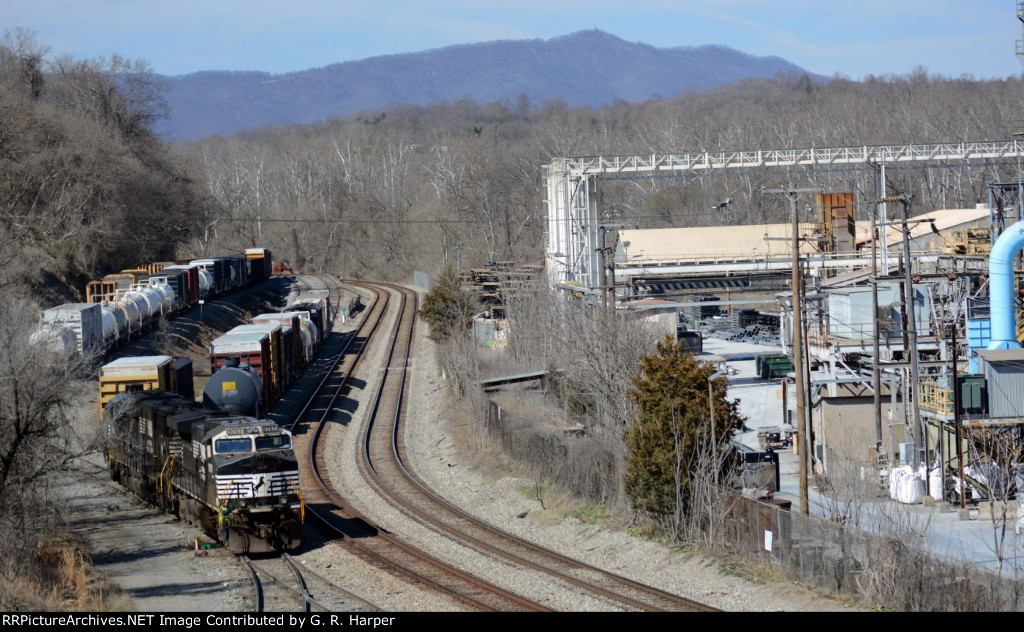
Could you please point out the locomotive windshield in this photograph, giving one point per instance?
(274, 442)
(236, 444)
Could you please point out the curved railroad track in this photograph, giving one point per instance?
(329, 376)
(384, 465)
(326, 507)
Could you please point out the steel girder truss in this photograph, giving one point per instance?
(572, 199)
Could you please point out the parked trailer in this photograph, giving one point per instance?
(177, 280)
(300, 345)
(260, 263)
(218, 274)
(191, 282)
(128, 302)
(249, 348)
(183, 378)
(278, 359)
(318, 304)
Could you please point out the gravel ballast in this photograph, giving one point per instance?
(152, 565)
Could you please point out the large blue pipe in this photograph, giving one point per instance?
(1003, 306)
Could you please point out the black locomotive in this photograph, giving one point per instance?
(235, 476)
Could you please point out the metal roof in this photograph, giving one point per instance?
(943, 219)
(1001, 355)
(664, 245)
(761, 241)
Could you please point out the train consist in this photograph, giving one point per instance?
(216, 459)
(252, 365)
(121, 306)
(235, 476)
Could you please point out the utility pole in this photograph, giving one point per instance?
(607, 264)
(604, 268)
(798, 348)
(876, 369)
(910, 393)
(714, 432)
(956, 418)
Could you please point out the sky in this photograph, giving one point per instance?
(853, 38)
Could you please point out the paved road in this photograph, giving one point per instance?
(972, 536)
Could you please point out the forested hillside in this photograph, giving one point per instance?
(85, 184)
(588, 68)
(88, 187)
(383, 192)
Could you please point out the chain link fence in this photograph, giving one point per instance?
(887, 571)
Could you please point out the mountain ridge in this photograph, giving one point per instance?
(586, 68)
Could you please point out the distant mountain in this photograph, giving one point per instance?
(585, 68)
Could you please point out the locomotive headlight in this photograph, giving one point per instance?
(283, 500)
(243, 504)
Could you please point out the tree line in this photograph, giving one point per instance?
(378, 194)
(91, 188)
(87, 188)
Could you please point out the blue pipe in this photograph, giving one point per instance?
(1003, 306)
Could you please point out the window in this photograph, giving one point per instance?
(273, 442)
(240, 444)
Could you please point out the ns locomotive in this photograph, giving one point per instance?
(235, 476)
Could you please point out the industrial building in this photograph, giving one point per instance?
(894, 307)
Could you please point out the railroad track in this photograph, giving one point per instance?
(331, 373)
(384, 468)
(384, 465)
(282, 584)
(330, 512)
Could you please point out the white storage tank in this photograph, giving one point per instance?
(115, 323)
(131, 311)
(166, 293)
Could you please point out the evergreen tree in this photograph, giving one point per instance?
(671, 443)
(448, 308)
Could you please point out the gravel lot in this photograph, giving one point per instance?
(154, 557)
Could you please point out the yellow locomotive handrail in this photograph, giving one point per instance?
(165, 471)
(302, 503)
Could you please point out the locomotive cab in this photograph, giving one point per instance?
(196, 463)
(255, 476)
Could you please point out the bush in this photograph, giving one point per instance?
(672, 443)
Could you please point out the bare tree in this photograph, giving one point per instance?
(22, 62)
(38, 401)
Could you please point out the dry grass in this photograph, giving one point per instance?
(63, 580)
(492, 464)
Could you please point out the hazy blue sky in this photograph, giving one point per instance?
(856, 38)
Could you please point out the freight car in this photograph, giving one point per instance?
(235, 476)
(252, 365)
(202, 461)
(132, 301)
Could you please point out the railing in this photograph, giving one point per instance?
(861, 334)
(865, 154)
